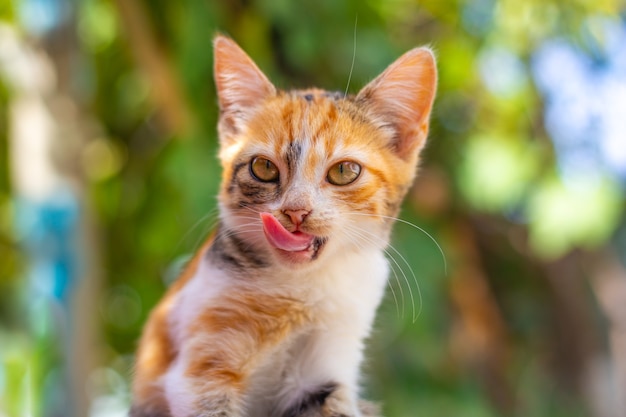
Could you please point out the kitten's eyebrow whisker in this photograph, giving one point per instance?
(356, 19)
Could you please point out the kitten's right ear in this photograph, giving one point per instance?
(402, 98)
(241, 86)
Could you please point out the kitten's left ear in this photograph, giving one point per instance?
(241, 86)
(402, 98)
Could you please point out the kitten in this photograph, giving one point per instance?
(269, 318)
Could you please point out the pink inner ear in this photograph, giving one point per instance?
(403, 95)
(240, 83)
(281, 238)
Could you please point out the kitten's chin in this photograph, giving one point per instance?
(300, 257)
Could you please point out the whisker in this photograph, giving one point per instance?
(356, 19)
(393, 293)
(212, 222)
(397, 265)
(356, 231)
(417, 286)
(445, 262)
(246, 227)
(247, 207)
(355, 234)
(252, 218)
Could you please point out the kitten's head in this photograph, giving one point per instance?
(310, 174)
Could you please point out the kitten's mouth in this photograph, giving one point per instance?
(297, 246)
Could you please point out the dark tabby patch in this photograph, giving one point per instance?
(233, 180)
(292, 155)
(311, 401)
(231, 251)
(334, 95)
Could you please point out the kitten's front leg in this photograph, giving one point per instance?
(194, 390)
(329, 400)
(365, 408)
(224, 346)
(340, 403)
(330, 362)
(320, 403)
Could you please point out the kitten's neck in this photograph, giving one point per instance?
(230, 252)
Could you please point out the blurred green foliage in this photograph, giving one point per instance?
(490, 161)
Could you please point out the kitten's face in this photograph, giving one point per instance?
(310, 174)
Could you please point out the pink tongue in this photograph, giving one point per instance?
(281, 238)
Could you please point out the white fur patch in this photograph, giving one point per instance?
(343, 294)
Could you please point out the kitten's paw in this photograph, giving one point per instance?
(369, 409)
(337, 406)
(329, 401)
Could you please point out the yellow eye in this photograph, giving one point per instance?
(343, 173)
(263, 169)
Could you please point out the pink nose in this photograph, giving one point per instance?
(297, 216)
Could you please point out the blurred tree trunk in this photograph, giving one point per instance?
(608, 383)
(480, 333)
(575, 338)
(479, 337)
(152, 59)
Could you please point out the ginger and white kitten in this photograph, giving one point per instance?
(269, 318)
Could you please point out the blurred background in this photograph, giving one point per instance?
(108, 178)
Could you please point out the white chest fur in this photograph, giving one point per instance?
(343, 297)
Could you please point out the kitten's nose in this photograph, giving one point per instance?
(297, 216)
